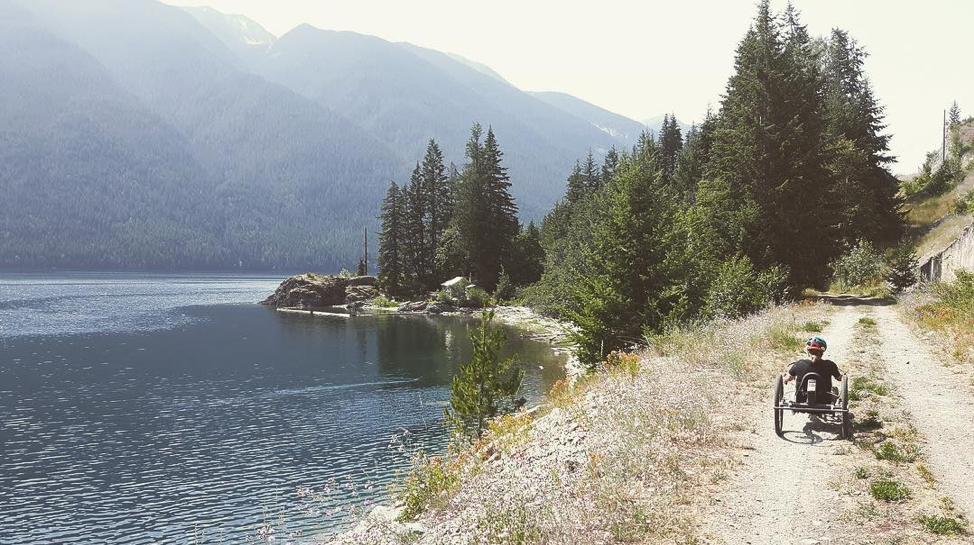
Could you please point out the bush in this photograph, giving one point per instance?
(965, 204)
(476, 297)
(944, 526)
(889, 490)
(739, 290)
(505, 288)
(858, 267)
(427, 485)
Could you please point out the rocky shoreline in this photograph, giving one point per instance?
(329, 295)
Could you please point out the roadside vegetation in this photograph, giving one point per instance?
(947, 310)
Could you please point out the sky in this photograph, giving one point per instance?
(645, 58)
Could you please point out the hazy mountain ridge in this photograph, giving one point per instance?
(287, 145)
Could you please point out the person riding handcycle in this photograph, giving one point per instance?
(825, 369)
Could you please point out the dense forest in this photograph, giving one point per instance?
(746, 209)
(444, 223)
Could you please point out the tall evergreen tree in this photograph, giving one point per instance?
(485, 216)
(392, 254)
(418, 256)
(768, 146)
(609, 165)
(438, 206)
(670, 144)
(864, 197)
(576, 185)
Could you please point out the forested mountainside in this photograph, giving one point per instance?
(194, 139)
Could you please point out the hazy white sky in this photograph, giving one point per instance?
(644, 58)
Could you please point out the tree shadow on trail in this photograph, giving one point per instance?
(853, 300)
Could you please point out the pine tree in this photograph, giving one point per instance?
(418, 258)
(575, 189)
(954, 115)
(864, 198)
(670, 144)
(438, 206)
(768, 146)
(609, 165)
(624, 289)
(392, 255)
(485, 217)
(486, 384)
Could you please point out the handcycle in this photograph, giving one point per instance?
(810, 399)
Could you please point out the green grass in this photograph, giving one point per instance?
(943, 526)
(860, 384)
(867, 321)
(861, 473)
(384, 302)
(783, 339)
(890, 452)
(889, 490)
(813, 327)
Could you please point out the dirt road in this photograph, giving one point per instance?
(941, 404)
(781, 493)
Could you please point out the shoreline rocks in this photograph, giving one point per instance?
(312, 290)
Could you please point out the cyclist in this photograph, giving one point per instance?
(826, 369)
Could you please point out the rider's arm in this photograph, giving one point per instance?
(789, 376)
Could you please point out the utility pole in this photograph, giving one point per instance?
(943, 152)
(366, 251)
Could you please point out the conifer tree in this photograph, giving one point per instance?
(768, 146)
(486, 384)
(438, 206)
(418, 258)
(485, 216)
(864, 197)
(575, 190)
(391, 257)
(670, 144)
(954, 115)
(609, 165)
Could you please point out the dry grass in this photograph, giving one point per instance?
(946, 310)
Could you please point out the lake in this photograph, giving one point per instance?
(147, 408)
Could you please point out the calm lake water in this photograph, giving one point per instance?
(172, 409)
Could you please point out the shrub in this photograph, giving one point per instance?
(889, 490)
(813, 327)
(739, 290)
(385, 302)
(861, 473)
(427, 485)
(858, 267)
(965, 204)
(477, 297)
(944, 526)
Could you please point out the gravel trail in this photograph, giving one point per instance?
(941, 405)
(780, 494)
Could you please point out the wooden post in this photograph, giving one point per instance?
(366, 251)
(943, 152)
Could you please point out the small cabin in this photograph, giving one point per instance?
(455, 288)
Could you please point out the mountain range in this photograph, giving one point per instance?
(141, 135)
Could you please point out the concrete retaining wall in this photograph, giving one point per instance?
(959, 255)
